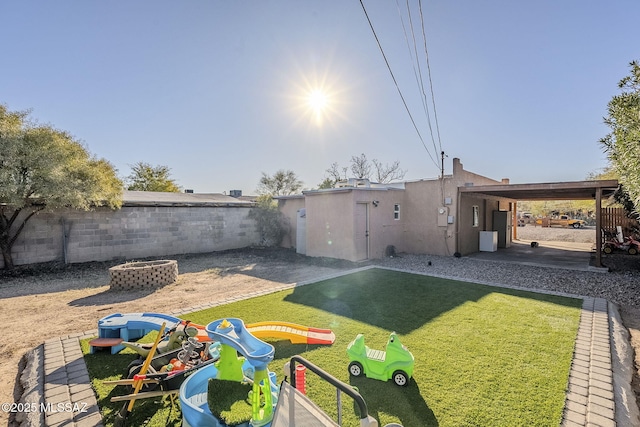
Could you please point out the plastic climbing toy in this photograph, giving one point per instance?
(251, 365)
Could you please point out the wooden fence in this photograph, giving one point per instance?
(612, 217)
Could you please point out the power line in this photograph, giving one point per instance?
(396, 84)
(417, 69)
(426, 53)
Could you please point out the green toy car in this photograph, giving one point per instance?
(395, 363)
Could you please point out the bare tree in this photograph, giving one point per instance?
(388, 173)
(336, 172)
(360, 167)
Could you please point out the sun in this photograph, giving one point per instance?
(318, 101)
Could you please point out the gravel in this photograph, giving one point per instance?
(621, 285)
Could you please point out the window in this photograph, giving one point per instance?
(396, 211)
(476, 216)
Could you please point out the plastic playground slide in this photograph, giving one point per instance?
(232, 332)
(132, 326)
(136, 321)
(297, 334)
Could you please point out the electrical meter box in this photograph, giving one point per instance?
(443, 216)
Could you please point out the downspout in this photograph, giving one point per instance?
(514, 221)
(457, 221)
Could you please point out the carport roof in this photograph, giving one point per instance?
(576, 190)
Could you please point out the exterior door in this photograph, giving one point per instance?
(362, 231)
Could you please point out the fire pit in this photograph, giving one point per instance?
(143, 274)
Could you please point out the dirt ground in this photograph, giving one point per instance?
(37, 306)
(52, 301)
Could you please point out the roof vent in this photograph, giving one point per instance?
(235, 193)
(354, 182)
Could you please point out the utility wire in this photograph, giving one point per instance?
(396, 84)
(417, 69)
(433, 99)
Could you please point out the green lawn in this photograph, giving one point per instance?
(485, 356)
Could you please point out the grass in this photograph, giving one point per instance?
(485, 356)
(231, 403)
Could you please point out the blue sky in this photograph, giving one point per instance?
(217, 90)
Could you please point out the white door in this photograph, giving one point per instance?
(362, 231)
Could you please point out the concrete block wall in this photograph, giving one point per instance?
(133, 233)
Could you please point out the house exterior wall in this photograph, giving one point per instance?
(330, 224)
(423, 232)
(132, 232)
(420, 229)
(469, 235)
(384, 229)
(423, 235)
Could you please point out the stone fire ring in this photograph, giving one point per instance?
(143, 274)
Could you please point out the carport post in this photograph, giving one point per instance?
(514, 221)
(598, 227)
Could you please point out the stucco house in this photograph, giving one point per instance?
(360, 220)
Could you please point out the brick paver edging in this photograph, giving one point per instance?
(589, 400)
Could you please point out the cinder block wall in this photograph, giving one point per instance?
(132, 233)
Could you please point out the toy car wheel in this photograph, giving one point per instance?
(576, 225)
(607, 249)
(633, 250)
(400, 378)
(355, 369)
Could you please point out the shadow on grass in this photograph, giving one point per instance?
(397, 301)
(391, 300)
(285, 350)
(103, 366)
(406, 403)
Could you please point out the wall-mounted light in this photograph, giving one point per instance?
(375, 203)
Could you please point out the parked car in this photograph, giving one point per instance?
(562, 221)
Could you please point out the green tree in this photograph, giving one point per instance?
(270, 222)
(42, 168)
(622, 144)
(621, 196)
(281, 183)
(145, 177)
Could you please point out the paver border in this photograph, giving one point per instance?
(590, 397)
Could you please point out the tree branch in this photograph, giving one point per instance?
(24, 222)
